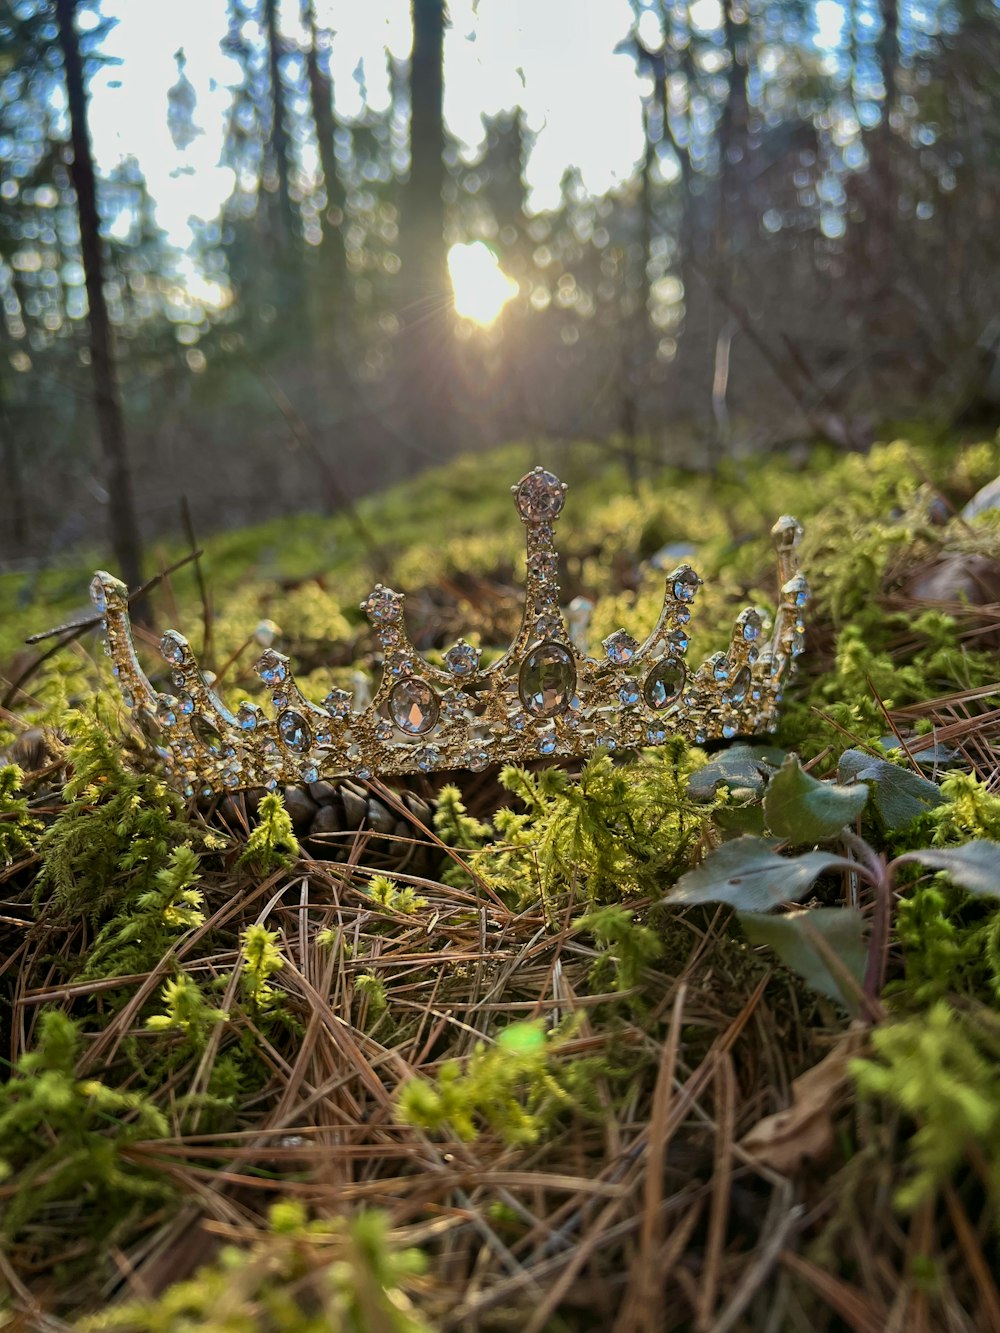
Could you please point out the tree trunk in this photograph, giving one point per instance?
(279, 127)
(107, 402)
(427, 333)
(321, 101)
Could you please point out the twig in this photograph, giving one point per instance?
(206, 605)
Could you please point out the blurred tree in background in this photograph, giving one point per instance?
(807, 246)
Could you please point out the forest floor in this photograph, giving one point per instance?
(528, 1049)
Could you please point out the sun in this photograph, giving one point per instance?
(482, 289)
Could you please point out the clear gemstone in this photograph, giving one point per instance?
(413, 706)
(547, 624)
(364, 773)
(656, 735)
(547, 742)
(98, 596)
(542, 563)
(294, 730)
(309, 773)
(539, 496)
(796, 590)
(247, 717)
(230, 777)
(383, 605)
(663, 686)
(463, 659)
(272, 668)
(338, 703)
(428, 757)
(685, 583)
(751, 626)
(607, 740)
(383, 730)
(476, 759)
(171, 648)
(678, 641)
(166, 710)
(207, 733)
(682, 615)
(629, 693)
(728, 730)
(720, 671)
(620, 647)
(547, 679)
(185, 703)
(740, 685)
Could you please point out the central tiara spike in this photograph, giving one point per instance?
(543, 696)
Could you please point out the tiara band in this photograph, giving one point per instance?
(544, 696)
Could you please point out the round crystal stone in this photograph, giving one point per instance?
(539, 496)
(751, 626)
(338, 703)
(620, 647)
(428, 757)
(383, 730)
(547, 625)
(207, 733)
(656, 735)
(547, 742)
(413, 706)
(685, 584)
(383, 605)
(678, 640)
(547, 679)
(629, 693)
(740, 685)
(185, 703)
(476, 759)
(728, 730)
(463, 659)
(271, 668)
(247, 717)
(294, 730)
(797, 590)
(309, 773)
(663, 686)
(171, 648)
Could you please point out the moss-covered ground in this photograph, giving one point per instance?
(485, 1070)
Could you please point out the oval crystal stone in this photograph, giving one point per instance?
(414, 706)
(207, 733)
(294, 730)
(664, 684)
(740, 685)
(547, 679)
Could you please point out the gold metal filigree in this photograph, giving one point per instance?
(543, 696)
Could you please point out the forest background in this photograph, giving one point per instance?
(732, 226)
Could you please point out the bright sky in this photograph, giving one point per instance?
(554, 57)
(548, 55)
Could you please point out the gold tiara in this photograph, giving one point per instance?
(544, 696)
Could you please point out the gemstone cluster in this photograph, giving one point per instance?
(543, 696)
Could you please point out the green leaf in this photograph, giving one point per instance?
(740, 766)
(748, 874)
(975, 867)
(898, 794)
(800, 808)
(793, 938)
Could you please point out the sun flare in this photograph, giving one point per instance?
(481, 287)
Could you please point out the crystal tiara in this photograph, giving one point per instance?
(544, 696)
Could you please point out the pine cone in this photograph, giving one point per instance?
(329, 816)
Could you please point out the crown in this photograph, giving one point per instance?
(543, 696)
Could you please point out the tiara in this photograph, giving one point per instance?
(543, 696)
